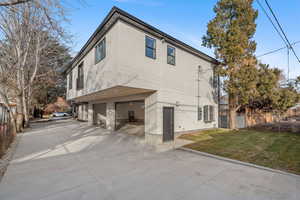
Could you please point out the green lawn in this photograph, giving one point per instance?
(275, 150)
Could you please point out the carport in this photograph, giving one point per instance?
(130, 117)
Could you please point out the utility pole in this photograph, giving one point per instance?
(288, 63)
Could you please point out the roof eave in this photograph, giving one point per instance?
(127, 15)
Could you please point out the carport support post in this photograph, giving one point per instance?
(90, 114)
(111, 116)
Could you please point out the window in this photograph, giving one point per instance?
(209, 113)
(205, 109)
(70, 80)
(212, 113)
(215, 79)
(171, 55)
(199, 113)
(150, 47)
(100, 51)
(80, 77)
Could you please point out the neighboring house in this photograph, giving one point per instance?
(293, 113)
(12, 104)
(132, 73)
(255, 117)
(59, 106)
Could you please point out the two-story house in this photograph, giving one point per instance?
(129, 72)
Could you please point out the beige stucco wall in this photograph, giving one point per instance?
(176, 85)
(98, 76)
(126, 65)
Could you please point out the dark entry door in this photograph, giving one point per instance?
(168, 124)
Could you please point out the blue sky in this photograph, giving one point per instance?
(187, 19)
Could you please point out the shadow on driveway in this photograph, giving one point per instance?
(71, 160)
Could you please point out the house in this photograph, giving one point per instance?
(130, 73)
(59, 106)
(293, 113)
(253, 117)
(11, 103)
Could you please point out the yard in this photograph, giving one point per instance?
(270, 149)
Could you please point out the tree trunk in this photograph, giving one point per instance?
(247, 117)
(25, 111)
(232, 112)
(13, 123)
(19, 120)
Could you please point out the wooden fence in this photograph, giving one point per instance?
(6, 135)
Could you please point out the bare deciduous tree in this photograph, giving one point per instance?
(13, 2)
(25, 31)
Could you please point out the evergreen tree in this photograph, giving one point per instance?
(230, 33)
(270, 95)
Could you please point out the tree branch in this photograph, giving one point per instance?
(14, 2)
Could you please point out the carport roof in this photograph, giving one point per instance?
(114, 92)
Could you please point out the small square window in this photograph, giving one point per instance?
(150, 44)
(171, 55)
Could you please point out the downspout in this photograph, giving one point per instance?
(198, 95)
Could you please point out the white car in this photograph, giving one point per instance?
(60, 114)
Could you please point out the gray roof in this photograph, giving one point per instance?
(117, 14)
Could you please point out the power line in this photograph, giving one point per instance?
(287, 40)
(276, 50)
(273, 24)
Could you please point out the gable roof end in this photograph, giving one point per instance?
(116, 14)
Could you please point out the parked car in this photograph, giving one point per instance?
(60, 114)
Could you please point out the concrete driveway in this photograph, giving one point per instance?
(70, 160)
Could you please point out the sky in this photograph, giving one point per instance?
(186, 20)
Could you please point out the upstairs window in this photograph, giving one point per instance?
(150, 47)
(171, 55)
(100, 51)
(80, 77)
(70, 80)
